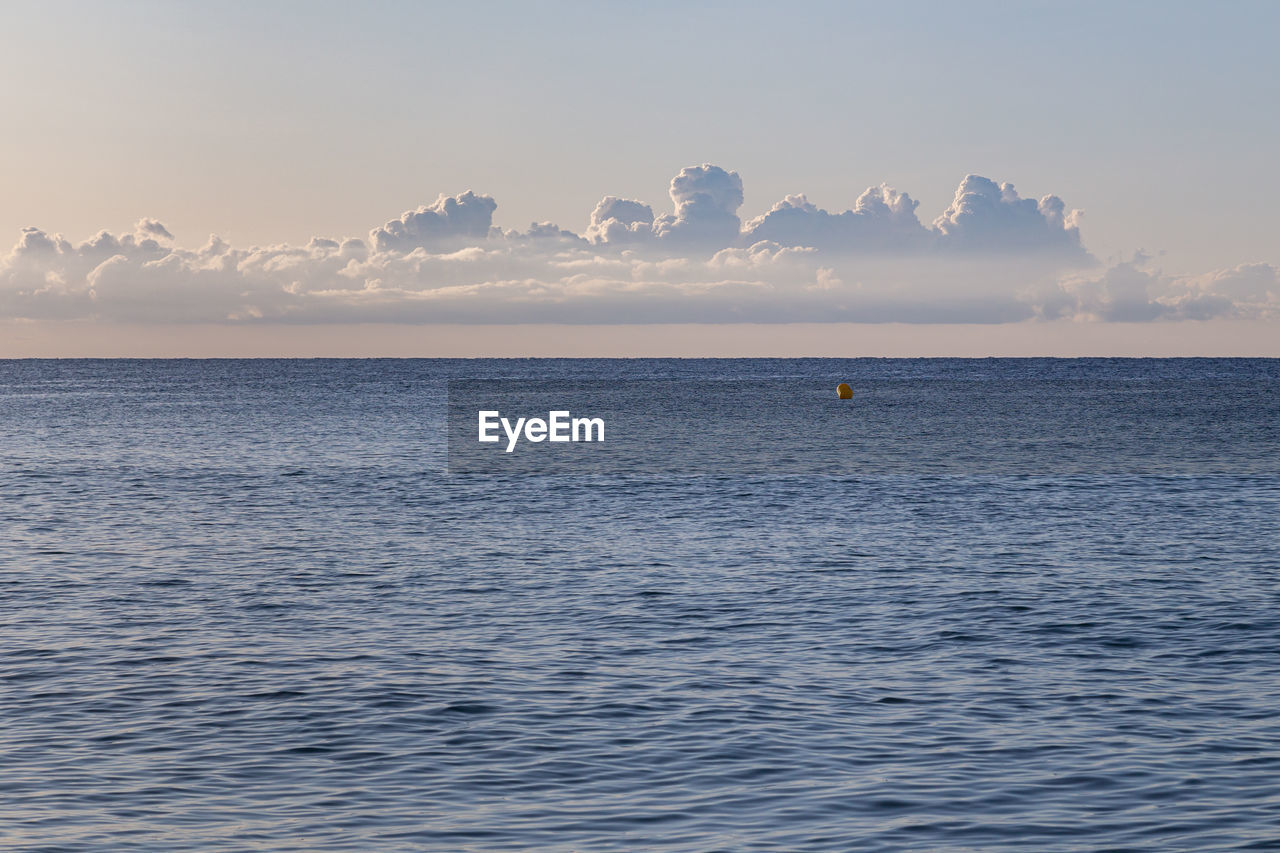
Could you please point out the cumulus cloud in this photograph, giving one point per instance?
(882, 220)
(620, 221)
(151, 229)
(707, 199)
(545, 235)
(1255, 285)
(991, 257)
(1136, 291)
(988, 216)
(984, 216)
(450, 220)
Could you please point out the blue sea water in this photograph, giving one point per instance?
(248, 605)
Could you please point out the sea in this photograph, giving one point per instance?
(991, 604)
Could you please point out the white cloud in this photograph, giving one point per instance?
(707, 199)
(448, 263)
(1136, 291)
(620, 220)
(984, 217)
(882, 220)
(450, 220)
(988, 216)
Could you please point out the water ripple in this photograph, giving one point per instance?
(249, 615)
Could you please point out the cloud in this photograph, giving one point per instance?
(991, 257)
(544, 234)
(882, 220)
(1249, 284)
(151, 229)
(620, 221)
(984, 217)
(450, 220)
(1124, 292)
(707, 199)
(988, 216)
(1135, 291)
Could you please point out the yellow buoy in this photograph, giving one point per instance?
(844, 392)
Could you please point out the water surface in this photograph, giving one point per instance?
(245, 606)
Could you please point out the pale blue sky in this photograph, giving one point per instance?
(271, 122)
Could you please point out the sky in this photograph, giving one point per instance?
(1149, 127)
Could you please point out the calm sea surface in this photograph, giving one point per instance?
(245, 606)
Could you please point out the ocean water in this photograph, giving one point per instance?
(256, 605)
